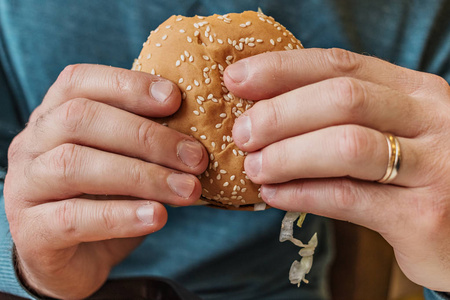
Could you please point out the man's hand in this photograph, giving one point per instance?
(87, 176)
(317, 145)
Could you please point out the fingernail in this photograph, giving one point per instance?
(242, 129)
(238, 72)
(253, 163)
(190, 153)
(268, 191)
(145, 213)
(181, 184)
(161, 90)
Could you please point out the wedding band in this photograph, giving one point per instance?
(394, 159)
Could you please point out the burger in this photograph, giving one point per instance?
(193, 52)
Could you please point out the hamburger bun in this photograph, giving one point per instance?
(193, 52)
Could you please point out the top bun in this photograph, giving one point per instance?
(193, 53)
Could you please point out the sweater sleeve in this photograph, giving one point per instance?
(9, 282)
(433, 295)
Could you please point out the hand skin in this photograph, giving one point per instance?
(316, 145)
(88, 175)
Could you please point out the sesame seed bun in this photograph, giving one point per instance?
(193, 53)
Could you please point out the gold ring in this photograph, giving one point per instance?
(394, 159)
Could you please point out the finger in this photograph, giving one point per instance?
(368, 204)
(327, 103)
(270, 74)
(73, 221)
(72, 170)
(100, 126)
(340, 151)
(137, 92)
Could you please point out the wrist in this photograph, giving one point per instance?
(24, 278)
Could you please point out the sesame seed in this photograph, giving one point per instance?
(201, 109)
(259, 41)
(184, 96)
(203, 137)
(191, 58)
(199, 102)
(214, 99)
(149, 56)
(218, 125)
(179, 19)
(243, 25)
(196, 82)
(262, 19)
(205, 57)
(216, 164)
(196, 25)
(272, 42)
(232, 177)
(213, 67)
(207, 80)
(248, 23)
(153, 72)
(189, 39)
(251, 44)
(188, 88)
(196, 33)
(178, 63)
(211, 156)
(223, 146)
(196, 112)
(180, 80)
(218, 177)
(194, 129)
(244, 190)
(290, 46)
(241, 152)
(222, 171)
(226, 183)
(182, 31)
(210, 96)
(158, 45)
(235, 152)
(220, 41)
(168, 26)
(213, 145)
(182, 57)
(242, 181)
(279, 40)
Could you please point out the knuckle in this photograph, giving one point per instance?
(344, 196)
(66, 216)
(63, 162)
(15, 149)
(351, 96)
(437, 83)
(121, 82)
(353, 145)
(272, 113)
(138, 175)
(146, 135)
(76, 113)
(343, 61)
(108, 217)
(68, 79)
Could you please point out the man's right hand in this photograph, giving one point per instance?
(87, 176)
